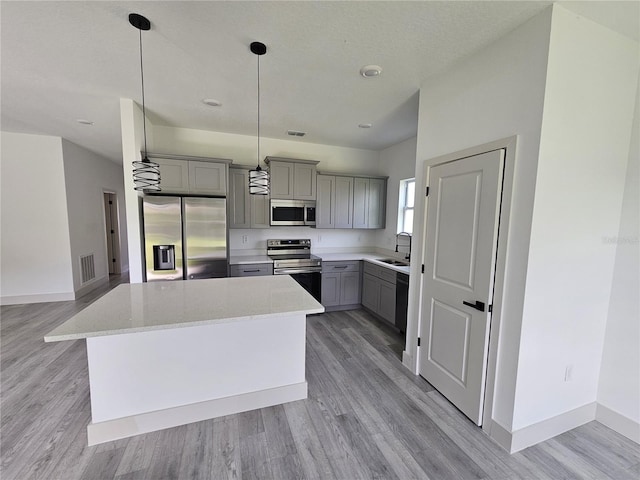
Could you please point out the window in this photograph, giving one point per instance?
(405, 205)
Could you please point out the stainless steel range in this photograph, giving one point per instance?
(293, 257)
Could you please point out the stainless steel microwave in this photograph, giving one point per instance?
(286, 213)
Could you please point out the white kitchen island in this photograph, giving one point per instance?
(164, 354)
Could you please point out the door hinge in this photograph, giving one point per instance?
(427, 192)
(110, 202)
(418, 341)
(423, 268)
(112, 232)
(490, 308)
(113, 260)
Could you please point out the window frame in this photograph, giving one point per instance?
(402, 204)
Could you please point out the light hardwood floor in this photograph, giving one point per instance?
(366, 417)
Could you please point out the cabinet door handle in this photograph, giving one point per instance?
(251, 271)
(340, 266)
(478, 305)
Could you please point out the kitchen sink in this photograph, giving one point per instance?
(393, 261)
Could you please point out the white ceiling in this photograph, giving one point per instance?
(63, 61)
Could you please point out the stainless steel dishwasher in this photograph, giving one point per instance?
(402, 301)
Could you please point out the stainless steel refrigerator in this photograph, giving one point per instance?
(184, 237)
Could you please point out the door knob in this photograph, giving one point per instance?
(478, 305)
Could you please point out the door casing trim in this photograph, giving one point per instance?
(510, 146)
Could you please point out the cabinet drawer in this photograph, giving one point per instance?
(371, 269)
(337, 267)
(384, 273)
(388, 275)
(251, 270)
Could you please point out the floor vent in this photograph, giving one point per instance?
(87, 268)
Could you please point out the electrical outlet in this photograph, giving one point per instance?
(244, 239)
(568, 373)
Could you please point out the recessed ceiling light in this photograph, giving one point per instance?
(365, 125)
(370, 71)
(212, 102)
(84, 122)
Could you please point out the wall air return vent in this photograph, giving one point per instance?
(295, 133)
(87, 268)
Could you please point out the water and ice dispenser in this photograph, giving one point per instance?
(164, 257)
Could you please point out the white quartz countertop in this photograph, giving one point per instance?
(355, 256)
(248, 259)
(140, 307)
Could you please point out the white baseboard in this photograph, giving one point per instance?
(539, 432)
(91, 286)
(37, 298)
(499, 434)
(618, 422)
(172, 417)
(407, 361)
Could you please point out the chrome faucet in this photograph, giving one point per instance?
(404, 234)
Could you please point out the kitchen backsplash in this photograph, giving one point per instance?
(254, 241)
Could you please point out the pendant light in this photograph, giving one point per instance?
(258, 178)
(146, 174)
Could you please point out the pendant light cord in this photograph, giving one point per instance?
(144, 113)
(258, 111)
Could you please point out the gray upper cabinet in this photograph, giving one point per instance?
(259, 215)
(326, 205)
(239, 202)
(207, 178)
(179, 174)
(377, 203)
(292, 179)
(369, 202)
(304, 181)
(334, 207)
(245, 210)
(361, 203)
(281, 178)
(174, 175)
(351, 202)
(344, 202)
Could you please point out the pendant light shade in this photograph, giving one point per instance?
(258, 178)
(146, 174)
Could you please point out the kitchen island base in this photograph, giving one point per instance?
(163, 354)
(146, 381)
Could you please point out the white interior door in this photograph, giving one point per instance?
(460, 249)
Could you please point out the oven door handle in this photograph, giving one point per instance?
(293, 271)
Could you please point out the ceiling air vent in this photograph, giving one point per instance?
(295, 133)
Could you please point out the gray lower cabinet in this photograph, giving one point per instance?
(251, 269)
(245, 210)
(379, 291)
(340, 284)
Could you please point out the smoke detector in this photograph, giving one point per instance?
(370, 71)
(212, 102)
